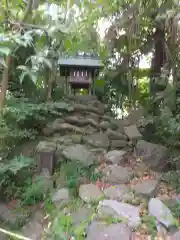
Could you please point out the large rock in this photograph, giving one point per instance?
(119, 144)
(132, 132)
(129, 213)
(49, 129)
(81, 215)
(155, 155)
(79, 153)
(63, 107)
(101, 231)
(98, 140)
(105, 125)
(34, 229)
(90, 193)
(113, 135)
(62, 140)
(115, 156)
(81, 121)
(57, 123)
(58, 126)
(93, 116)
(99, 105)
(121, 123)
(89, 108)
(161, 212)
(117, 174)
(147, 188)
(118, 192)
(134, 116)
(175, 236)
(99, 153)
(83, 99)
(61, 197)
(66, 140)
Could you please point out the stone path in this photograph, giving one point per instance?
(128, 202)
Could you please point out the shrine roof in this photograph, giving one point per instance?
(83, 61)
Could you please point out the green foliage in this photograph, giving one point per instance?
(13, 174)
(150, 221)
(63, 227)
(57, 93)
(21, 119)
(142, 93)
(173, 179)
(33, 191)
(167, 127)
(75, 173)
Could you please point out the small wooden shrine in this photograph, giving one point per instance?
(79, 72)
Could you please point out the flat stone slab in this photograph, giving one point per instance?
(90, 193)
(132, 132)
(118, 192)
(161, 212)
(175, 236)
(101, 231)
(126, 212)
(115, 156)
(117, 175)
(155, 155)
(34, 229)
(105, 125)
(147, 188)
(99, 140)
(114, 135)
(79, 153)
(119, 144)
(82, 214)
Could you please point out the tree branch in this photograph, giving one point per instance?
(27, 25)
(28, 10)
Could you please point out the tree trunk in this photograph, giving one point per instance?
(160, 55)
(4, 82)
(51, 81)
(158, 61)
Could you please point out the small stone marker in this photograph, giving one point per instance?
(46, 157)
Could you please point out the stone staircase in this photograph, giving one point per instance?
(131, 182)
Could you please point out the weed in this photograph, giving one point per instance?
(176, 211)
(172, 178)
(150, 222)
(109, 220)
(76, 173)
(14, 175)
(34, 191)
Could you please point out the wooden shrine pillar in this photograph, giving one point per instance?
(92, 87)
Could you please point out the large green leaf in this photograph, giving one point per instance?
(62, 28)
(5, 50)
(48, 63)
(26, 71)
